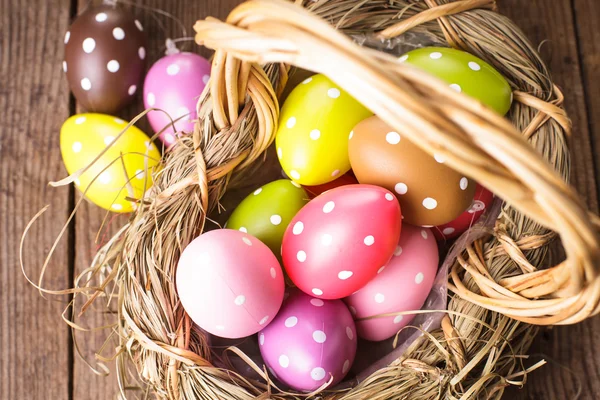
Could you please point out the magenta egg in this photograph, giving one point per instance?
(229, 283)
(340, 239)
(403, 284)
(481, 201)
(174, 84)
(309, 342)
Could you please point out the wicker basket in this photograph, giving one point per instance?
(501, 285)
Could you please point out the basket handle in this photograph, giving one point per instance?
(474, 140)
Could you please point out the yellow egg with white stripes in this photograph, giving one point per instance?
(315, 123)
(123, 173)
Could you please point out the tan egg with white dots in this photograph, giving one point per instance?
(105, 51)
(123, 173)
(430, 193)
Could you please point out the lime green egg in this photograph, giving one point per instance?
(464, 73)
(266, 212)
(314, 125)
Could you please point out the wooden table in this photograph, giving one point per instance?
(38, 358)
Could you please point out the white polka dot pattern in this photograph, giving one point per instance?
(419, 278)
(343, 275)
(173, 69)
(448, 231)
(113, 66)
(401, 188)
(240, 300)
(89, 45)
(298, 228)
(317, 373)
(349, 333)
(284, 361)
(334, 93)
(328, 207)
(319, 336)
(474, 66)
(430, 203)
(317, 302)
(456, 87)
(118, 33)
(86, 84)
(392, 138)
(301, 256)
(290, 322)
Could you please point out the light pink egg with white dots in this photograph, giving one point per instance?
(336, 244)
(229, 283)
(174, 84)
(309, 342)
(403, 284)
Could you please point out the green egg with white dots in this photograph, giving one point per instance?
(464, 73)
(314, 125)
(266, 212)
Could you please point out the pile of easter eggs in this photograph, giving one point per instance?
(105, 56)
(352, 233)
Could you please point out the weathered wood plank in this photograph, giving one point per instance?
(86, 384)
(587, 16)
(34, 102)
(570, 350)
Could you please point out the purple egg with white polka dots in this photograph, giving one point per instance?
(105, 48)
(311, 342)
(173, 85)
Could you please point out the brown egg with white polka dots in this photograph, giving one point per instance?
(105, 48)
(430, 193)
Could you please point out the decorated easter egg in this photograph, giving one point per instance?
(340, 239)
(429, 192)
(481, 201)
(174, 84)
(403, 284)
(464, 73)
(310, 342)
(314, 125)
(229, 283)
(267, 211)
(123, 173)
(346, 179)
(104, 58)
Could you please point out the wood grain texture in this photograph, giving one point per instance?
(570, 43)
(33, 102)
(158, 28)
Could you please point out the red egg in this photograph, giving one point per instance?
(336, 244)
(481, 201)
(346, 179)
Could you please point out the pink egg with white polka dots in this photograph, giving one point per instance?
(229, 283)
(340, 239)
(403, 284)
(310, 342)
(481, 201)
(174, 84)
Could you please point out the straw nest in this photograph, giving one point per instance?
(501, 285)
